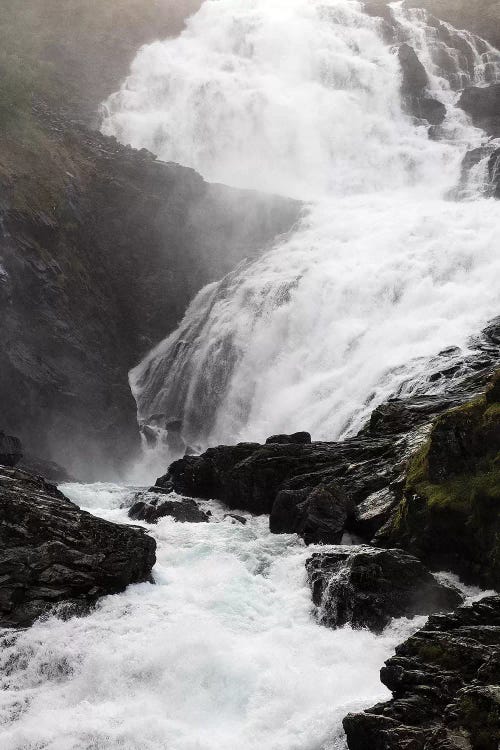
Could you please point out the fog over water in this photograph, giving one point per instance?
(384, 270)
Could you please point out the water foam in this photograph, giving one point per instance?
(303, 98)
(223, 651)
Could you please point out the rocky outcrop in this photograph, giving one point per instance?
(367, 587)
(449, 512)
(149, 508)
(445, 684)
(483, 105)
(414, 88)
(320, 490)
(11, 450)
(52, 553)
(102, 249)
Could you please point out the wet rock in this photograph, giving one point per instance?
(151, 509)
(494, 173)
(367, 587)
(298, 438)
(53, 553)
(318, 516)
(11, 450)
(236, 519)
(483, 104)
(444, 681)
(278, 478)
(414, 88)
(49, 470)
(448, 515)
(415, 78)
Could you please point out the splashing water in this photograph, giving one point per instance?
(222, 652)
(303, 98)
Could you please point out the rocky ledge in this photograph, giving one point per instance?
(366, 587)
(445, 684)
(53, 553)
(321, 490)
(150, 508)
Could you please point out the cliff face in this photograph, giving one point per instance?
(101, 247)
(101, 250)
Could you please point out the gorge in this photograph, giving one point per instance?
(286, 226)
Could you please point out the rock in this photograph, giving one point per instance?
(298, 438)
(483, 104)
(367, 587)
(449, 512)
(49, 470)
(85, 294)
(414, 87)
(480, 16)
(494, 173)
(53, 553)
(415, 78)
(152, 509)
(235, 518)
(11, 450)
(319, 516)
(368, 470)
(444, 681)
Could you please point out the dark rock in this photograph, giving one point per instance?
(49, 470)
(236, 519)
(319, 516)
(483, 104)
(367, 587)
(444, 681)
(51, 552)
(103, 248)
(415, 78)
(298, 438)
(11, 450)
(478, 16)
(414, 87)
(151, 509)
(494, 173)
(369, 470)
(448, 515)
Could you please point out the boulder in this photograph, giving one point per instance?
(53, 553)
(319, 516)
(11, 450)
(150, 509)
(414, 88)
(366, 587)
(483, 105)
(444, 681)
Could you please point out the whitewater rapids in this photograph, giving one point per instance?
(303, 98)
(223, 652)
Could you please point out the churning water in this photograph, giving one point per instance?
(222, 652)
(302, 97)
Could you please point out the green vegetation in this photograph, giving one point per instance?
(450, 511)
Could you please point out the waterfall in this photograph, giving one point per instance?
(303, 98)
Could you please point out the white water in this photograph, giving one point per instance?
(222, 652)
(303, 97)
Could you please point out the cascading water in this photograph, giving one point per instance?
(300, 97)
(303, 98)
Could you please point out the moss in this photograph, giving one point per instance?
(450, 511)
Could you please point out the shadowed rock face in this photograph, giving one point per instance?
(367, 587)
(11, 450)
(52, 553)
(444, 682)
(102, 249)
